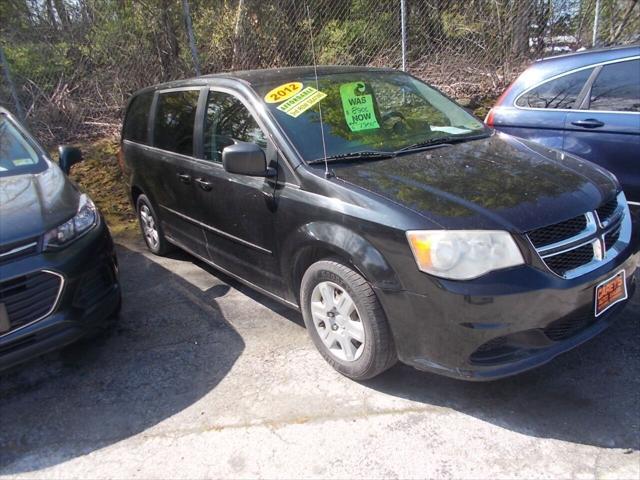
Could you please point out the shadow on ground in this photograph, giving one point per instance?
(590, 395)
(171, 347)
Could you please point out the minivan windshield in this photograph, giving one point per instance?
(17, 156)
(365, 113)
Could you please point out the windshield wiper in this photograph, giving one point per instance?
(363, 155)
(438, 141)
(376, 154)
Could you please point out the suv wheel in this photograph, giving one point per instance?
(345, 320)
(150, 226)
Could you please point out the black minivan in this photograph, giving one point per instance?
(397, 223)
(58, 267)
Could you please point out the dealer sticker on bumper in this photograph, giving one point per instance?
(610, 292)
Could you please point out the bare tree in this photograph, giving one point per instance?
(51, 14)
(169, 49)
(62, 12)
(625, 19)
(520, 21)
(237, 60)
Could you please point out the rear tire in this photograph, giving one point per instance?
(345, 320)
(150, 227)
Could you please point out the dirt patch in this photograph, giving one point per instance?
(100, 176)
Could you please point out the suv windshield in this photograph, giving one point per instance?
(17, 156)
(365, 111)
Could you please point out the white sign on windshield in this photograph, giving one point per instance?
(451, 130)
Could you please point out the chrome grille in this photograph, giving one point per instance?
(558, 232)
(29, 297)
(581, 244)
(606, 211)
(567, 261)
(15, 251)
(612, 236)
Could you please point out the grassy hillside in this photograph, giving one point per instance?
(100, 176)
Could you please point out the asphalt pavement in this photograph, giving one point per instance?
(206, 378)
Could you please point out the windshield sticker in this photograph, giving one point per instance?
(358, 107)
(20, 162)
(282, 92)
(451, 130)
(302, 101)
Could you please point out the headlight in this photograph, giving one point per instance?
(81, 223)
(463, 254)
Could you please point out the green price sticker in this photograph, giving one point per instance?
(358, 107)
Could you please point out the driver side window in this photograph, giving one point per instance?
(227, 121)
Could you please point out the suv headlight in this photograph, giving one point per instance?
(84, 220)
(463, 254)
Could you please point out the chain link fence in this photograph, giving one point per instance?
(70, 65)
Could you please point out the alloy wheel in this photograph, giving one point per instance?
(149, 227)
(337, 321)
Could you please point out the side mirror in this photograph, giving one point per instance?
(69, 156)
(246, 159)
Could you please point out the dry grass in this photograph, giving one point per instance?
(100, 177)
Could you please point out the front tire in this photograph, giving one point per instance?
(345, 320)
(150, 227)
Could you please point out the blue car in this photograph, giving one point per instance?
(585, 103)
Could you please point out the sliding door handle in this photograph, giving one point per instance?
(184, 178)
(204, 185)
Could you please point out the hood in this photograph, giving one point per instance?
(32, 204)
(495, 182)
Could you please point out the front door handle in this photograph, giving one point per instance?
(588, 123)
(184, 178)
(206, 186)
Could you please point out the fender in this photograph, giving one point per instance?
(137, 181)
(344, 243)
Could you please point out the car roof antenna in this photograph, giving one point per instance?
(327, 173)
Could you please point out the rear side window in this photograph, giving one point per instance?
(228, 121)
(617, 88)
(174, 120)
(135, 124)
(561, 92)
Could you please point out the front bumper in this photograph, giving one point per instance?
(89, 297)
(502, 324)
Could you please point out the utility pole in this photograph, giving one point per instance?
(403, 31)
(596, 22)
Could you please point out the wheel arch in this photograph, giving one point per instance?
(321, 240)
(134, 193)
(137, 189)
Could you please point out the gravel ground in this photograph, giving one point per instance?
(205, 378)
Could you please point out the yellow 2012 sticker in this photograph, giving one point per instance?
(282, 92)
(302, 101)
